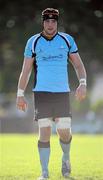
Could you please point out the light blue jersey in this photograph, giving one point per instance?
(51, 58)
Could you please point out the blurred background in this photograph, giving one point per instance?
(19, 20)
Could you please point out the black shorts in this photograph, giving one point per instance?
(51, 105)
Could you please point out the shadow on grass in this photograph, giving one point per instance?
(63, 178)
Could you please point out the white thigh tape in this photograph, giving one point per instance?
(64, 123)
(45, 122)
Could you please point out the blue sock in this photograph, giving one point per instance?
(44, 153)
(66, 150)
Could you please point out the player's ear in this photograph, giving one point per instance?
(42, 25)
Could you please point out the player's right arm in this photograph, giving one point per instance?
(22, 83)
(25, 74)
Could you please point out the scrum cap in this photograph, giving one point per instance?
(50, 13)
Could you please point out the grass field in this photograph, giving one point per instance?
(19, 158)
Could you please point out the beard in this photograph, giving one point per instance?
(49, 32)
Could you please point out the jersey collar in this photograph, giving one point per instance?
(45, 37)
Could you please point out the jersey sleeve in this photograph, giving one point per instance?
(28, 49)
(73, 46)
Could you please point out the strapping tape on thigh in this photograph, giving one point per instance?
(64, 123)
(45, 122)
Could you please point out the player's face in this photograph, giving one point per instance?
(50, 26)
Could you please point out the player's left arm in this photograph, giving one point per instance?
(78, 65)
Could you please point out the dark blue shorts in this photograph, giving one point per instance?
(51, 105)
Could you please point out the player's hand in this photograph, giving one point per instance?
(21, 103)
(81, 92)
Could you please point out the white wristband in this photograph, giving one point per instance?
(20, 93)
(82, 81)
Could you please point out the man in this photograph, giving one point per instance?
(49, 52)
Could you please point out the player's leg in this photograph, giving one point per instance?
(42, 112)
(44, 145)
(63, 126)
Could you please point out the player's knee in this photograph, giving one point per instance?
(44, 134)
(65, 135)
(44, 129)
(63, 127)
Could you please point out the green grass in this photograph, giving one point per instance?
(19, 158)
